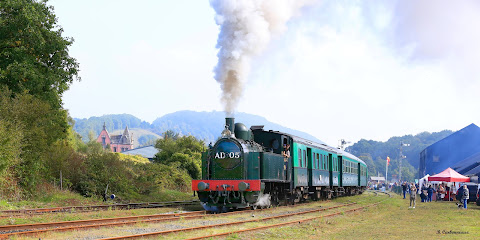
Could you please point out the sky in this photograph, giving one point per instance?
(338, 70)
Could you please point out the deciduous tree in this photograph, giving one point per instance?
(33, 53)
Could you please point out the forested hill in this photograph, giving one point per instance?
(208, 126)
(375, 153)
(203, 125)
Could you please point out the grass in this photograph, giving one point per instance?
(50, 198)
(391, 219)
(53, 197)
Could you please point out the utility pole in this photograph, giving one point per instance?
(386, 169)
(402, 144)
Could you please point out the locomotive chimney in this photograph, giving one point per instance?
(230, 123)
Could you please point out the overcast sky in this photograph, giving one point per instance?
(340, 70)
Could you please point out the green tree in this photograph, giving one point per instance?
(169, 134)
(186, 152)
(33, 54)
(33, 127)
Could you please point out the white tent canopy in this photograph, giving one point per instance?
(423, 181)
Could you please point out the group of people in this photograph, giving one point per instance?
(426, 193)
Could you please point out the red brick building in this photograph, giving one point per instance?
(118, 143)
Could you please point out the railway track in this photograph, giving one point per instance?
(238, 223)
(283, 216)
(9, 231)
(128, 206)
(37, 229)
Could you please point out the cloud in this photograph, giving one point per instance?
(336, 74)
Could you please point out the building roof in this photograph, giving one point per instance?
(146, 152)
(125, 138)
(468, 164)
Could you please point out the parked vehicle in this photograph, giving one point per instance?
(478, 195)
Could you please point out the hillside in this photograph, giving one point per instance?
(209, 125)
(113, 122)
(374, 153)
(203, 125)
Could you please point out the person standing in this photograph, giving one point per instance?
(465, 196)
(286, 156)
(430, 193)
(413, 195)
(404, 188)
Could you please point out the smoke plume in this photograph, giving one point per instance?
(246, 27)
(263, 201)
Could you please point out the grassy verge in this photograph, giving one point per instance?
(392, 219)
(52, 197)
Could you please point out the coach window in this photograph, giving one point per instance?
(304, 158)
(328, 162)
(321, 161)
(300, 157)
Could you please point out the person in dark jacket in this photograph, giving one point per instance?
(423, 195)
(465, 196)
(404, 188)
(430, 193)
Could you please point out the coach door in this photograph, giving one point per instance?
(358, 174)
(309, 165)
(340, 169)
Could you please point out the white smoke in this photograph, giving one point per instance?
(246, 27)
(263, 201)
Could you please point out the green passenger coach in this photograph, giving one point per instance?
(254, 167)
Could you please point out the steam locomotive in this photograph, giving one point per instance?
(251, 167)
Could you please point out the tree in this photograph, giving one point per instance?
(186, 152)
(33, 54)
(169, 134)
(33, 128)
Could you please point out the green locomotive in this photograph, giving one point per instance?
(254, 167)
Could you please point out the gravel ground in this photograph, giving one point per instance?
(185, 223)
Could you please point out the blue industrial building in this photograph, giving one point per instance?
(460, 151)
